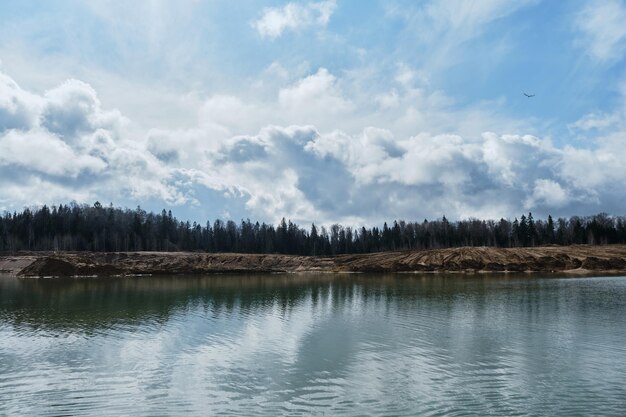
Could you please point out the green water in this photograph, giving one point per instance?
(313, 345)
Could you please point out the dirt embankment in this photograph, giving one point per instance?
(579, 258)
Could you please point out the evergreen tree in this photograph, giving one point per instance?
(97, 228)
(532, 230)
(549, 237)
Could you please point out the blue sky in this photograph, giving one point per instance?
(324, 111)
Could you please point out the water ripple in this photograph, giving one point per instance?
(392, 345)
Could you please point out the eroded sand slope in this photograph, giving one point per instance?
(579, 258)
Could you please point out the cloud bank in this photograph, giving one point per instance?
(62, 145)
(326, 156)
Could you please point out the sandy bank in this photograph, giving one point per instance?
(574, 259)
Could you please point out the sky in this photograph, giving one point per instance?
(347, 111)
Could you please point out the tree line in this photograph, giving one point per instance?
(74, 227)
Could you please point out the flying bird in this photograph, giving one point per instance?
(529, 95)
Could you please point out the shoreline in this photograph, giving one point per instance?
(571, 260)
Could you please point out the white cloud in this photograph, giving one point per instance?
(43, 152)
(601, 24)
(230, 111)
(74, 108)
(442, 27)
(327, 157)
(470, 15)
(18, 108)
(316, 95)
(65, 141)
(598, 168)
(462, 176)
(301, 173)
(595, 121)
(601, 123)
(292, 16)
(34, 190)
(407, 77)
(548, 192)
(388, 100)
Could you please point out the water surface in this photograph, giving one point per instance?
(313, 345)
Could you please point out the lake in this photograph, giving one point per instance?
(350, 344)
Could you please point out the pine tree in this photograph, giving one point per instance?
(523, 231)
(515, 233)
(532, 230)
(550, 231)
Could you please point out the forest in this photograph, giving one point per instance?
(75, 227)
